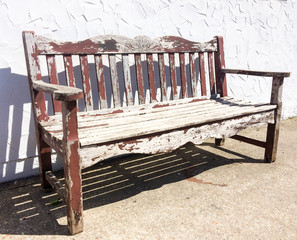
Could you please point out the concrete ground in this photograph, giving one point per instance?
(196, 192)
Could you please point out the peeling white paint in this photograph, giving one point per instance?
(258, 35)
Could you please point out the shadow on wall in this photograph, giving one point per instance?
(17, 135)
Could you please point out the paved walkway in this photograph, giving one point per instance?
(196, 192)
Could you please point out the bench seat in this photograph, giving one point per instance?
(108, 127)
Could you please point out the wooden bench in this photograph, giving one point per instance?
(137, 96)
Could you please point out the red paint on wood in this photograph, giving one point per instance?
(86, 81)
(211, 73)
(173, 75)
(53, 78)
(139, 76)
(151, 76)
(183, 74)
(162, 77)
(161, 105)
(193, 74)
(100, 81)
(69, 70)
(221, 82)
(202, 74)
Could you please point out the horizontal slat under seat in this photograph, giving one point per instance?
(102, 126)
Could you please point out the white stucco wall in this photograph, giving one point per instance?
(258, 34)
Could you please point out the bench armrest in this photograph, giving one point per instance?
(256, 73)
(61, 93)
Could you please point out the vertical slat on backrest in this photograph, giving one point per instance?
(173, 76)
(183, 74)
(34, 73)
(53, 78)
(114, 80)
(211, 73)
(193, 74)
(151, 76)
(221, 82)
(69, 70)
(202, 74)
(86, 82)
(127, 78)
(139, 76)
(162, 77)
(100, 81)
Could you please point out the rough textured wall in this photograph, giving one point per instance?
(258, 35)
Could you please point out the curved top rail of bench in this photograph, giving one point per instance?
(115, 44)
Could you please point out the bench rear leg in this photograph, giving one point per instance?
(45, 163)
(271, 142)
(219, 141)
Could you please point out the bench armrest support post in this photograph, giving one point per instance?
(72, 167)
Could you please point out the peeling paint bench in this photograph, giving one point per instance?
(147, 96)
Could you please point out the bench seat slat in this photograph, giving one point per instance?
(142, 124)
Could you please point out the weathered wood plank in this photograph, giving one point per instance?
(59, 92)
(202, 74)
(273, 128)
(173, 76)
(193, 74)
(53, 78)
(89, 121)
(166, 142)
(113, 44)
(127, 78)
(114, 80)
(72, 168)
(183, 75)
(139, 76)
(69, 70)
(211, 73)
(139, 125)
(151, 77)
(249, 140)
(162, 77)
(256, 73)
(221, 82)
(86, 82)
(156, 125)
(56, 184)
(100, 81)
(34, 74)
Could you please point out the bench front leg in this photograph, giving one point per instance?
(72, 167)
(273, 129)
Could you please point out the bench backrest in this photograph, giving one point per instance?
(135, 71)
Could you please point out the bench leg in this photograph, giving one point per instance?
(45, 164)
(219, 141)
(271, 142)
(73, 185)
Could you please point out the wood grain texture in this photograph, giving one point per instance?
(114, 80)
(183, 75)
(221, 82)
(202, 74)
(114, 44)
(168, 141)
(211, 73)
(193, 73)
(173, 76)
(127, 79)
(100, 81)
(139, 76)
(256, 73)
(162, 73)
(85, 73)
(53, 78)
(68, 64)
(151, 77)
